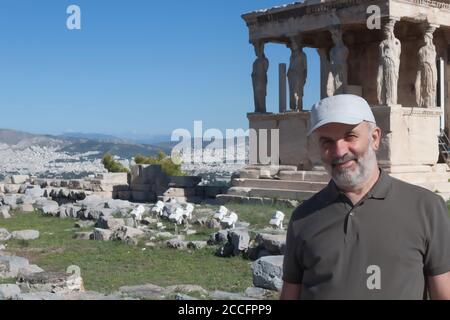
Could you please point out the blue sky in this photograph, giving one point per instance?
(138, 66)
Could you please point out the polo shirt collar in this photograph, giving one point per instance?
(379, 190)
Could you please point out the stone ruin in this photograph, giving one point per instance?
(90, 202)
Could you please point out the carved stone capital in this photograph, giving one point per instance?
(259, 47)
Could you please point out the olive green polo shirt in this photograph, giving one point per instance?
(381, 248)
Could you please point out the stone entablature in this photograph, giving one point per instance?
(445, 5)
(377, 64)
(299, 10)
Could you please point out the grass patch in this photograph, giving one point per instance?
(202, 233)
(7, 281)
(105, 266)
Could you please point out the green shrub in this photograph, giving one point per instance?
(111, 165)
(167, 165)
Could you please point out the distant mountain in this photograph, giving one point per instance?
(147, 139)
(11, 137)
(74, 143)
(95, 136)
(79, 143)
(22, 140)
(224, 142)
(123, 150)
(167, 145)
(161, 140)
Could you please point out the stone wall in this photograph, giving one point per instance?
(102, 184)
(148, 183)
(409, 136)
(145, 183)
(293, 128)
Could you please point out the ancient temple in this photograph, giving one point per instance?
(393, 53)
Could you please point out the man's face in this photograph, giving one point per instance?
(348, 152)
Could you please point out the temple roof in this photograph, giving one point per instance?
(440, 4)
(278, 23)
(275, 8)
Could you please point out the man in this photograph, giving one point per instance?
(366, 235)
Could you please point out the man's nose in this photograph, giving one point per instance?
(340, 148)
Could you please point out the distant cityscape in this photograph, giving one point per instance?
(78, 155)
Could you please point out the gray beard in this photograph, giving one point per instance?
(348, 179)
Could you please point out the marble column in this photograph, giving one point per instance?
(324, 71)
(426, 78)
(389, 65)
(297, 74)
(338, 75)
(259, 77)
(282, 87)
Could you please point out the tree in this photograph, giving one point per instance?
(111, 165)
(166, 163)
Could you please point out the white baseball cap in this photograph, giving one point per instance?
(342, 108)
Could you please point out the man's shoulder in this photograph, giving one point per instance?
(417, 201)
(414, 192)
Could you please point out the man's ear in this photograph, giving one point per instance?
(376, 138)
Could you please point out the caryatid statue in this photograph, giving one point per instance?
(337, 77)
(297, 75)
(259, 77)
(426, 79)
(389, 66)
